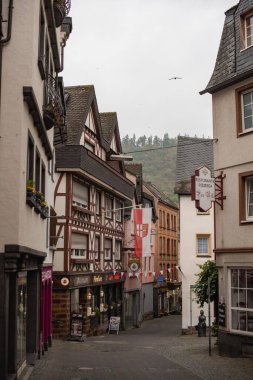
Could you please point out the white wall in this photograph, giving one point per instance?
(192, 224)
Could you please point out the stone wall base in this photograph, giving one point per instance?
(234, 345)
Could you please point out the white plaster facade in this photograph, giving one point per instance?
(192, 224)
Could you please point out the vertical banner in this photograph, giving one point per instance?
(142, 231)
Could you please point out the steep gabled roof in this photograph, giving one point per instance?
(159, 195)
(233, 64)
(109, 125)
(79, 100)
(192, 153)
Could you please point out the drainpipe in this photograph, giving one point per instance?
(6, 39)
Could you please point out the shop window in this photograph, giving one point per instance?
(108, 249)
(242, 300)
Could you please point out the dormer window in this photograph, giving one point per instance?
(249, 31)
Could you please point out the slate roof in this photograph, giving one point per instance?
(79, 99)
(135, 169)
(160, 195)
(233, 63)
(192, 153)
(77, 158)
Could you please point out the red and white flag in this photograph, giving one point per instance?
(142, 231)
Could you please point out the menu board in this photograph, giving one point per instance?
(222, 314)
(76, 325)
(114, 324)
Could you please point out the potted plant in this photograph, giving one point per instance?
(97, 312)
(44, 209)
(30, 193)
(39, 199)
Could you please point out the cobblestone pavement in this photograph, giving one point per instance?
(157, 349)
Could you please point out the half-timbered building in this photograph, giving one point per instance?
(89, 196)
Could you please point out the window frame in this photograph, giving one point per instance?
(109, 258)
(118, 211)
(244, 36)
(84, 248)
(209, 251)
(238, 308)
(243, 218)
(97, 251)
(108, 212)
(30, 157)
(117, 255)
(239, 92)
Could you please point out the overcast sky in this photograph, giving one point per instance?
(128, 49)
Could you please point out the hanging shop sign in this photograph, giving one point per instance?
(81, 280)
(134, 263)
(64, 281)
(203, 189)
(114, 324)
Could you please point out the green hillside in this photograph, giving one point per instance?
(159, 163)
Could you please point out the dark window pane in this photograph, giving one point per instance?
(234, 297)
(250, 321)
(234, 278)
(242, 278)
(250, 298)
(235, 319)
(250, 278)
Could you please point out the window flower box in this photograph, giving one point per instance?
(30, 193)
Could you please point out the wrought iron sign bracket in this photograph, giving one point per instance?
(219, 195)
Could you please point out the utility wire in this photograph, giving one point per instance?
(174, 146)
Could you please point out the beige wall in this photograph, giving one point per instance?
(231, 155)
(19, 224)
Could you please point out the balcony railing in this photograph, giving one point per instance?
(61, 10)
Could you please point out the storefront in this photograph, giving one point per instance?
(90, 301)
(20, 329)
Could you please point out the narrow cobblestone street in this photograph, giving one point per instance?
(156, 350)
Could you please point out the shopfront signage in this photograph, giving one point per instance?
(46, 275)
(97, 279)
(64, 281)
(134, 263)
(81, 280)
(203, 189)
(160, 279)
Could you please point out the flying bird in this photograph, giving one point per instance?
(175, 78)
